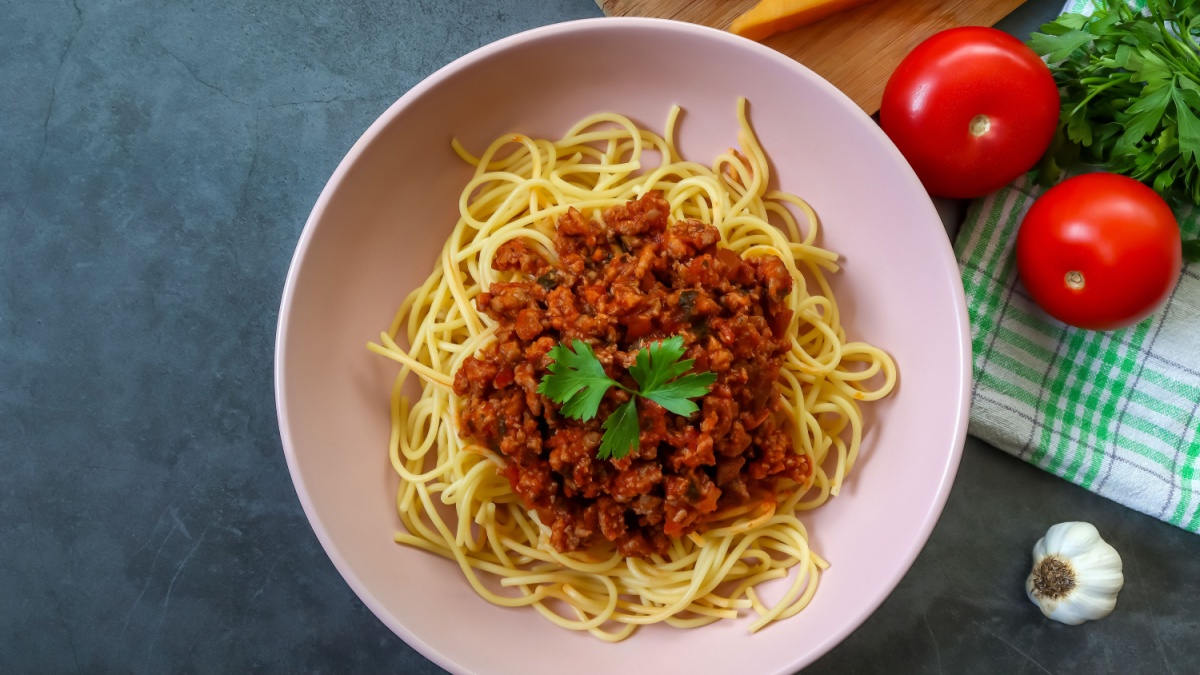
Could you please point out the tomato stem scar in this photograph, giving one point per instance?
(1074, 280)
(979, 125)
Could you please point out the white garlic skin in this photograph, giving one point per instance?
(1097, 568)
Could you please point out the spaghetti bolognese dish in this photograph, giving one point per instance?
(634, 377)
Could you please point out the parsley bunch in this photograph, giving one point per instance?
(1130, 86)
(577, 381)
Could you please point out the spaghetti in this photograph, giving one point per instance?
(452, 499)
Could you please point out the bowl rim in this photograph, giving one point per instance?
(948, 471)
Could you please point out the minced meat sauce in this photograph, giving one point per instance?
(621, 285)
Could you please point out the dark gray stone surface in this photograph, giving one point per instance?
(157, 161)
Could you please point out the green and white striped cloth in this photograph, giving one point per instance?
(1115, 412)
(1086, 6)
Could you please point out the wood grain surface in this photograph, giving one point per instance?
(856, 49)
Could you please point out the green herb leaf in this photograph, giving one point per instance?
(1070, 21)
(674, 395)
(1146, 113)
(1058, 47)
(577, 380)
(1146, 66)
(621, 432)
(659, 363)
(1191, 250)
(1190, 91)
(1189, 127)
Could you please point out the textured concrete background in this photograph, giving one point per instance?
(157, 161)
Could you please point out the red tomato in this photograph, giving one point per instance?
(1099, 251)
(971, 109)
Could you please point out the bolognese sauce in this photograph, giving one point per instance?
(621, 283)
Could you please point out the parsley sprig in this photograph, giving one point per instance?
(578, 382)
(1130, 85)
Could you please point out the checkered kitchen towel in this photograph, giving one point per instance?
(1116, 412)
(1085, 6)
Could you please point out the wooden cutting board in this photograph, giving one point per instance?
(856, 49)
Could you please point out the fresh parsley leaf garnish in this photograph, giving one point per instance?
(659, 363)
(656, 368)
(1130, 86)
(578, 382)
(621, 432)
(674, 396)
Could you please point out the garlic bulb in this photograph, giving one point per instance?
(1076, 574)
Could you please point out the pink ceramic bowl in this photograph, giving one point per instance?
(380, 222)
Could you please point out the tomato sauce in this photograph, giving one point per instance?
(619, 285)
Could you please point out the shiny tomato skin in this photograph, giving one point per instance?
(1118, 234)
(950, 80)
